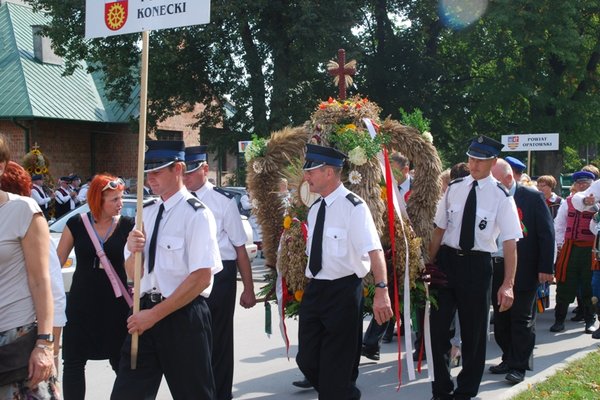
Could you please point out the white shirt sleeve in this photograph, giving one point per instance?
(42, 201)
(232, 224)
(61, 198)
(560, 223)
(58, 288)
(577, 198)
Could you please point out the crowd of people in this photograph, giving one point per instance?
(499, 239)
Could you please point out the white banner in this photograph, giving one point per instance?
(116, 17)
(531, 142)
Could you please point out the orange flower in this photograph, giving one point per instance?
(322, 106)
(298, 295)
(383, 194)
(358, 106)
(287, 222)
(330, 100)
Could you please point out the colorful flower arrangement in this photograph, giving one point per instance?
(340, 124)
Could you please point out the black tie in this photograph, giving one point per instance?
(467, 228)
(316, 246)
(152, 249)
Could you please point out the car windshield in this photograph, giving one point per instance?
(59, 225)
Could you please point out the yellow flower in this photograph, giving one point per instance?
(298, 295)
(365, 291)
(350, 126)
(383, 193)
(287, 222)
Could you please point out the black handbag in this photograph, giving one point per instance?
(14, 358)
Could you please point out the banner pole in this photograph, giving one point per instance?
(529, 163)
(140, 188)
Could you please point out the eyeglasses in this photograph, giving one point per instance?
(114, 184)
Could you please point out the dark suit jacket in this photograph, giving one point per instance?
(535, 252)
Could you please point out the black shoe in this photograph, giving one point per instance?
(596, 334)
(444, 397)
(589, 326)
(557, 327)
(371, 354)
(515, 376)
(304, 384)
(578, 318)
(500, 369)
(416, 356)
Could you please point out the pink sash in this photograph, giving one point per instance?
(116, 283)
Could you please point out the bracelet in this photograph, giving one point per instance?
(45, 347)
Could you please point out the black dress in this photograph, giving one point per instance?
(96, 320)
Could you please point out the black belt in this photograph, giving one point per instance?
(462, 253)
(498, 260)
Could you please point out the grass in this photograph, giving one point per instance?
(580, 380)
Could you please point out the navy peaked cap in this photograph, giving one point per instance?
(484, 148)
(195, 156)
(317, 156)
(162, 153)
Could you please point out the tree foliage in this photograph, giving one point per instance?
(525, 66)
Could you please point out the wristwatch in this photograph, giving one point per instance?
(381, 285)
(48, 337)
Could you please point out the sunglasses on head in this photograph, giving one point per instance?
(113, 184)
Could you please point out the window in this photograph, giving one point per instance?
(162, 134)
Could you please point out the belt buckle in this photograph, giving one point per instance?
(461, 253)
(155, 297)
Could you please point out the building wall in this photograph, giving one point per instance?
(82, 148)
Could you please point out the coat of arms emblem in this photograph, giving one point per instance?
(115, 14)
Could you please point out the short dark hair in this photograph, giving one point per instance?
(459, 170)
(400, 159)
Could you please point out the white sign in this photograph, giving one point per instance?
(242, 144)
(532, 142)
(116, 17)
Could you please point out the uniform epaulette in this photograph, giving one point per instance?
(224, 192)
(150, 202)
(504, 190)
(195, 203)
(316, 202)
(456, 181)
(353, 199)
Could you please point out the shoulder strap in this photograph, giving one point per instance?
(353, 199)
(223, 192)
(116, 283)
(195, 203)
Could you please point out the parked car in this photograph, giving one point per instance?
(129, 208)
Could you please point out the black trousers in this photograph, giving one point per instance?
(178, 346)
(514, 329)
(329, 334)
(221, 303)
(468, 291)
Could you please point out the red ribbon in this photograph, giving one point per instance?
(392, 230)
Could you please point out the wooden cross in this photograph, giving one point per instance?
(342, 72)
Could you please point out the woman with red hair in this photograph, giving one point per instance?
(96, 319)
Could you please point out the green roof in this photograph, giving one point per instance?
(32, 89)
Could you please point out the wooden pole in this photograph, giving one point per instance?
(140, 188)
(529, 163)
